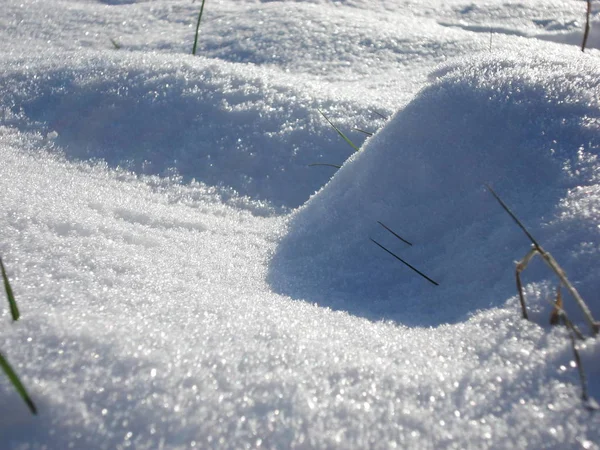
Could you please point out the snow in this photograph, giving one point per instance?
(186, 280)
(523, 129)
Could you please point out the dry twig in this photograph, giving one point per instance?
(536, 249)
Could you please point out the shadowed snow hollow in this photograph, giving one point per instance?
(529, 130)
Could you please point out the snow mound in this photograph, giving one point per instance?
(219, 123)
(530, 130)
(367, 43)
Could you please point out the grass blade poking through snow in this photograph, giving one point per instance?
(368, 133)
(350, 143)
(14, 379)
(115, 44)
(380, 115)
(4, 365)
(405, 263)
(325, 164)
(14, 310)
(586, 30)
(198, 28)
(394, 233)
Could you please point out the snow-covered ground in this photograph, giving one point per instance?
(187, 279)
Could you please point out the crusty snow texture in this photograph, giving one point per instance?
(187, 280)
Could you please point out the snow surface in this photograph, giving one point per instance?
(183, 284)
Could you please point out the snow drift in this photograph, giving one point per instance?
(528, 129)
(152, 306)
(229, 126)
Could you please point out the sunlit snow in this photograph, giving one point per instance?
(189, 278)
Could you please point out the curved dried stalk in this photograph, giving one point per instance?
(537, 249)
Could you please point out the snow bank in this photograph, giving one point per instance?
(233, 126)
(529, 129)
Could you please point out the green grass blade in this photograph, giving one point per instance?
(14, 310)
(14, 379)
(115, 44)
(339, 132)
(325, 164)
(198, 28)
(586, 30)
(368, 133)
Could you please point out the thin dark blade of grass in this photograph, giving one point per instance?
(586, 30)
(14, 310)
(514, 217)
(14, 379)
(325, 164)
(391, 231)
(350, 143)
(379, 114)
(115, 44)
(368, 133)
(405, 263)
(198, 28)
